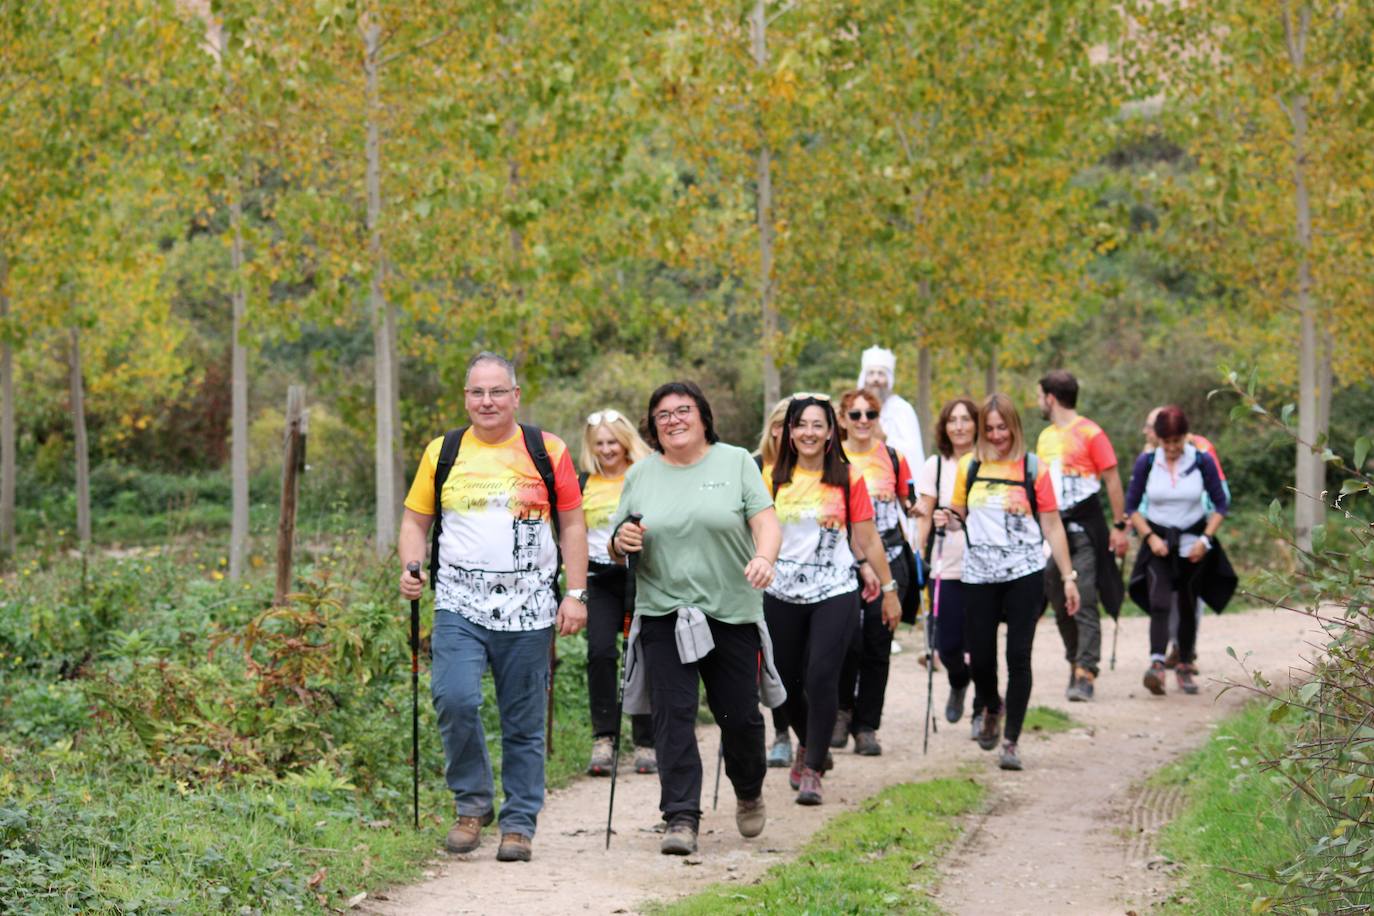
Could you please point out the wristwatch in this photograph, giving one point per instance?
(1071, 577)
(890, 586)
(1206, 541)
(577, 594)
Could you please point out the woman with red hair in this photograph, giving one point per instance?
(1179, 558)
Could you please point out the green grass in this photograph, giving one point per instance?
(1047, 721)
(879, 859)
(1238, 820)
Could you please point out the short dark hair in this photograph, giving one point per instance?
(649, 429)
(942, 443)
(1061, 384)
(1170, 422)
(835, 463)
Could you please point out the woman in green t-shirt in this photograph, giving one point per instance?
(706, 544)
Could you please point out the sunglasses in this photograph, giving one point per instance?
(603, 416)
(810, 395)
(858, 414)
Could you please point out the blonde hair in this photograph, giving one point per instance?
(1007, 411)
(624, 432)
(768, 449)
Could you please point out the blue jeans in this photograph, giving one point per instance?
(520, 666)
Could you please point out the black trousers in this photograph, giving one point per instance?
(951, 642)
(1019, 603)
(730, 673)
(1164, 588)
(863, 676)
(605, 622)
(809, 645)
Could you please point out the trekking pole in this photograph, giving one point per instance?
(1116, 621)
(630, 561)
(720, 763)
(934, 631)
(414, 569)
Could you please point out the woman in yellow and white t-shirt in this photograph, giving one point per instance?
(610, 445)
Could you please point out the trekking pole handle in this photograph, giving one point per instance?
(633, 518)
(413, 567)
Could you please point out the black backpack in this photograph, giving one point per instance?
(1030, 466)
(448, 454)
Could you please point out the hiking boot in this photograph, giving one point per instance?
(977, 726)
(680, 839)
(991, 730)
(866, 743)
(1154, 678)
(603, 756)
(1184, 673)
(780, 754)
(1081, 690)
(515, 847)
(954, 709)
(646, 761)
(798, 764)
(1010, 759)
(810, 791)
(466, 833)
(1171, 660)
(750, 816)
(840, 736)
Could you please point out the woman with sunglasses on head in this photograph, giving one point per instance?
(698, 517)
(863, 677)
(780, 751)
(1005, 501)
(956, 433)
(610, 445)
(812, 606)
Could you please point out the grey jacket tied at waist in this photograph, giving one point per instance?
(694, 642)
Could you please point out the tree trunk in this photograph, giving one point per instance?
(384, 369)
(1308, 510)
(990, 376)
(924, 409)
(772, 385)
(238, 442)
(292, 464)
(83, 466)
(8, 462)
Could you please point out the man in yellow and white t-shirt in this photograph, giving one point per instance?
(495, 600)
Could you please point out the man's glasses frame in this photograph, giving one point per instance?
(496, 394)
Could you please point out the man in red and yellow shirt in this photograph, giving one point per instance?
(1082, 463)
(495, 600)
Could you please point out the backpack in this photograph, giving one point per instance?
(1030, 467)
(448, 454)
(910, 485)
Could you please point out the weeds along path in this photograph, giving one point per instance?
(1061, 836)
(1074, 832)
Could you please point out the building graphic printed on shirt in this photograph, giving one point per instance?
(1004, 540)
(815, 562)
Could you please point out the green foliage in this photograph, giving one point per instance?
(1047, 721)
(874, 860)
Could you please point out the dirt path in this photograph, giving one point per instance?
(1069, 834)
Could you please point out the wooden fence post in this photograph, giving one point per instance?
(292, 466)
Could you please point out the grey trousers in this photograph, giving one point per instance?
(1082, 633)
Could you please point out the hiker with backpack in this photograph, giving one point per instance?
(1204, 445)
(780, 751)
(707, 541)
(1180, 559)
(1082, 466)
(498, 502)
(1005, 501)
(863, 676)
(610, 445)
(812, 605)
(956, 434)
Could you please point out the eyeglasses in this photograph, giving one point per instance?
(603, 416)
(812, 395)
(481, 394)
(681, 412)
(857, 414)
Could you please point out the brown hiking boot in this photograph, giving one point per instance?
(810, 790)
(866, 743)
(603, 756)
(991, 730)
(515, 847)
(680, 839)
(466, 833)
(750, 816)
(1082, 689)
(1154, 678)
(1171, 660)
(798, 764)
(840, 736)
(1184, 673)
